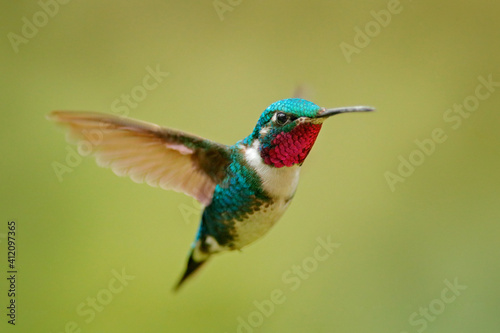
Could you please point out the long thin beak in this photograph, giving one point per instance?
(330, 112)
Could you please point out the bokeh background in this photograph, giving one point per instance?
(396, 246)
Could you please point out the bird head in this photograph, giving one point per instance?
(287, 130)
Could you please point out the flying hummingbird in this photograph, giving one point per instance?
(245, 188)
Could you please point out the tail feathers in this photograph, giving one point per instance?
(192, 266)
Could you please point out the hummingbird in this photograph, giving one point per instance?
(244, 188)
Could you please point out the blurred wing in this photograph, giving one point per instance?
(303, 91)
(149, 153)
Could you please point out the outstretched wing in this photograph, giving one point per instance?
(149, 153)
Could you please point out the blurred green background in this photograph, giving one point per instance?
(399, 243)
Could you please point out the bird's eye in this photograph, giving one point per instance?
(281, 118)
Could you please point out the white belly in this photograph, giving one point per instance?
(280, 184)
(259, 223)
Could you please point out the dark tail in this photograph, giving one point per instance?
(192, 266)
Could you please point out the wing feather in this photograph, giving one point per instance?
(149, 153)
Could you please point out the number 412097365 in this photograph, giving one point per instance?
(11, 241)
